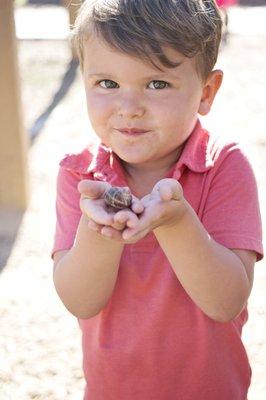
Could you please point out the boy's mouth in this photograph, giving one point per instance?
(132, 131)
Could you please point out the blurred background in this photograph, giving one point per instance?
(43, 117)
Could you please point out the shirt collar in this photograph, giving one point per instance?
(101, 157)
(196, 155)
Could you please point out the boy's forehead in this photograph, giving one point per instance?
(100, 57)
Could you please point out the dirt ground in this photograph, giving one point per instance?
(40, 354)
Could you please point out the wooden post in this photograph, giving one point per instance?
(72, 6)
(13, 140)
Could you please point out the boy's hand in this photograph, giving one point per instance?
(163, 206)
(93, 205)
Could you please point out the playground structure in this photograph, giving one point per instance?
(14, 140)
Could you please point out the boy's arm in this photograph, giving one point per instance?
(85, 276)
(217, 279)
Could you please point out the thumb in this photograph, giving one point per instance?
(93, 189)
(169, 189)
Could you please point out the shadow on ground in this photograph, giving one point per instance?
(66, 82)
(10, 223)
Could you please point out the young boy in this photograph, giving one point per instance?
(161, 288)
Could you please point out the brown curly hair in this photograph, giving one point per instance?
(143, 27)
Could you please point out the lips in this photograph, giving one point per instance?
(132, 131)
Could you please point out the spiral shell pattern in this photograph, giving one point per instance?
(118, 197)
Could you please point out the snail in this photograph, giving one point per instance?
(118, 197)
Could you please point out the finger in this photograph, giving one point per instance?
(169, 189)
(166, 192)
(93, 189)
(95, 210)
(94, 226)
(117, 224)
(134, 235)
(145, 200)
(126, 218)
(137, 205)
(111, 233)
(143, 225)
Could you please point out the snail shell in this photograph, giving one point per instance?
(118, 197)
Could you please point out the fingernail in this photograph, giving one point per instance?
(108, 234)
(126, 235)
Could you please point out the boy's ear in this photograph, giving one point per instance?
(210, 88)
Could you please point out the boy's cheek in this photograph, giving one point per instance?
(98, 105)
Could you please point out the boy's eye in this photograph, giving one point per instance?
(158, 85)
(108, 84)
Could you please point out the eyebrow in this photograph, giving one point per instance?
(155, 76)
(159, 76)
(99, 75)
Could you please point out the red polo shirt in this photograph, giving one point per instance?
(151, 342)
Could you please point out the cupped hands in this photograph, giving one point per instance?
(164, 206)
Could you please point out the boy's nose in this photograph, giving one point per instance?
(130, 107)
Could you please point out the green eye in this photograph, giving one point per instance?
(158, 85)
(108, 84)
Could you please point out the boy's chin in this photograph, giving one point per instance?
(131, 157)
(132, 160)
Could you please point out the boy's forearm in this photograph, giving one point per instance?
(212, 275)
(85, 277)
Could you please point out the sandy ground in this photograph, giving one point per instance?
(40, 354)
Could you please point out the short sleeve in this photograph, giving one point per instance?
(231, 214)
(68, 212)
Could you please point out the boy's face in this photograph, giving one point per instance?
(144, 115)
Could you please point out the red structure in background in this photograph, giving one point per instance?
(226, 3)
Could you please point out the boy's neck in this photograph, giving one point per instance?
(142, 177)
(157, 167)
